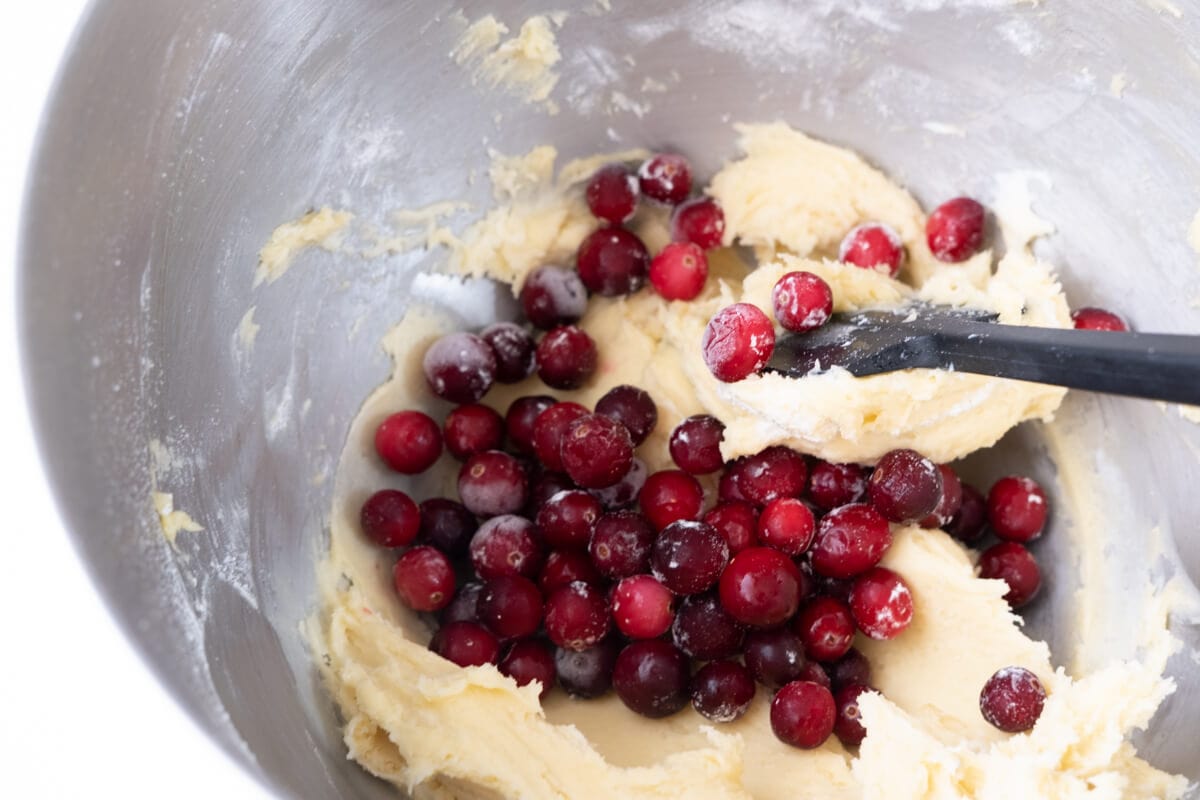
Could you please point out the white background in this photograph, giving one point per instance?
(80, 716)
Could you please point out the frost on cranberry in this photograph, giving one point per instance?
(773, 473)
(612, 262)
(566, 519)
(833, 485)
(803, 714)
(850, 540)
(737, 521)
(390, 518)
(408, 442)
(760, 587)
(670, 496)
(424, 579)
(881, 603)
(802, 301)
(951, 502)
(700, 221)
(826, 627)
(873, 245)
(705, 630)
(641, 607)
(722, 691)
(612, 193)
(471, 429)
(666, 177)
(460, 367)
(467, 644)
(1012, 699)
(520, 418)
(1097, 319)
(587, 673)
(620, 544)
(566, 357)
(688, 557)
(513, 347)
(624, 492)
(553, 296)
(577, 616)
(695, 444)
(633, 408)
(528, 661)
(849, 726)
(493, 483)
(788, 525)
(652, 678)
(549, 429)
(506, 545)
(1016, 566)
(905, 486)
(510, 606)
(774, 656)
(955, 229)
(1016, 509)
(679, 271)
(567, 566)
(738, 342)
(596, 451)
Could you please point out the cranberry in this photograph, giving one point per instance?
(704, 629)
(955, 229)
(408, 442)
(553, 296)
(905, 486)
(729, 488)
(528, 661)
(1016, 508)
(511, 606)
(492, 483)
(873, 245)
(566, 566)
(612, 193)
(967, 525)
(774, 656)
(587, 673)
(460, 367)
(761, 587)
(737, 521)
(471, 429)
(506, 545)
(613, 262)
(633, 408)
(849, 725)
(850, 668)
(689, 556)
(1097, 319)
(850, 540)
(390, 518)
(833, 485)
(577, 616)
(596, 451)
(465, 605)
(787, 525)
(1012, 699)
(802, 301)
(722, 691)
(773, 473)
(832, 587)
(826, 627)
(1016, 566)
(624, 492)
(520, 419)
(670, 496)
(544, 487)
(666, 178)
(696, 444)
(679, 271)
(700, 221)
(651, 678)
(952, 497)
(738, 342)
(803, 714)
(641, 607)
(566, 357)
(513, 348)
(814, 672)
(424, 579)
(467, 644)
(548, 432)
(620, 544)
(881, 603)
(567, 518)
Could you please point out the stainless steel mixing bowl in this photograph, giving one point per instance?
(182, 132)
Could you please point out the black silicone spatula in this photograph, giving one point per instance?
(1151, 365)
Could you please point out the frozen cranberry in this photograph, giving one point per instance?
(577, 616)
(670, 496)
(787, 525)
(620, 544)
(722, 691)
(544, 487)
(1012, 699)
(492, 483)
(955, 229)
(390, 518)
(465, 605)
(553, 296)
(613, 262)
(700, 221)
(802, 301)
(1016, 566)
(596, 451)
(513, 348)
(873, 245)
(612, 193)
(1097, 319)
(803, 714)
(521, 416)
(506, 545)
(833, 485)
(761, 587)
(704, 629)
(566, 566)
(773, 473)
(651, 678)
(633, 408)
(881, 603)
(737, 521)
(849, 725)
(1016, 508)
(467, 644)
(471, 429)
(952, 497)
(968, 523)
(666, 178)
(729, 487)
(696, 444)
(566, 357)
(567, 518)
(774, 656)
(905, 486)
(587, 673)
(528, 661)
(679, 271)
(510, 606)
(408, 442)
(738, 342)
(689, 556)
(641, 607)
(814, 672)
(460, 367)
(548, 431)
(624, 492)
(424, 579)
(826, 627)
(850, 540)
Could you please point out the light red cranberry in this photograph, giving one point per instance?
(492, 483)
(849, 541)
(1017, 509)
(566, 357)
(1097, 319)
(760, 587)
(738, 342)
(873, 245)
(905, 486)
(409, 442)
(641, 607)
(737, 521)
(826, 627)
(1012, 699)
(577, 616)
(549, 429)
(952, 497)
(803, 301)
(788, 525)
(1016, 566)
(553, 296)
(803, 714)
(460, 367)
(881, 603)
(612, 262)
(679, 271)
(666, 177)
(652, 678)
(700, 221)
(722, 691)
(390, 518)
(506, 545)
(467, 644)
(670, 496)
(612, 193)
(695, 444)
(471, 429)
(955, 229)
(596, 451)
(424, 579)
(832, 485)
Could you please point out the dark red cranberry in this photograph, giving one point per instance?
(955, 229)
(873, 245)
(704, 629)
(620, 544)
(460, 367)
(1016, 566)
(624, 492)
(510, 606)
(390, 518)
(548, 431)
(1097, 319)
(850, 668)
(689, 556)
(951, 501)
(881, 603)
(641, 607)
(761, 587)
(465, 605)
(770, 474)
(1016, 508)
(832, 587)
(493, 483)
(521, 416)
(802, 301)
(651, 678)
(467, 644)
(738, 342)
(670, 496)
(679, 271)
(408, 442)
(696, 444)
(968, 524)
(587, 673)
(553, 296)
(566, 357)
(787, 525)
(612, 193)
(722, 691)
(513, 347)
(833, 485)
(528, 661)
(850, 540)
(803, 714)
(613, 262)
(1012, 699)
(567, 566)
(506, 545)
(737, 521)
(577, 616)
(700, 221)
(774, 656)
(815, 673)
(596, 451)
(849, 725)
(424, 579)
(471, 429)
(826, 627)
(566, 519)
(546, 486)
(666, 178)
(905, 486)
(729, 488)
(633, 408)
